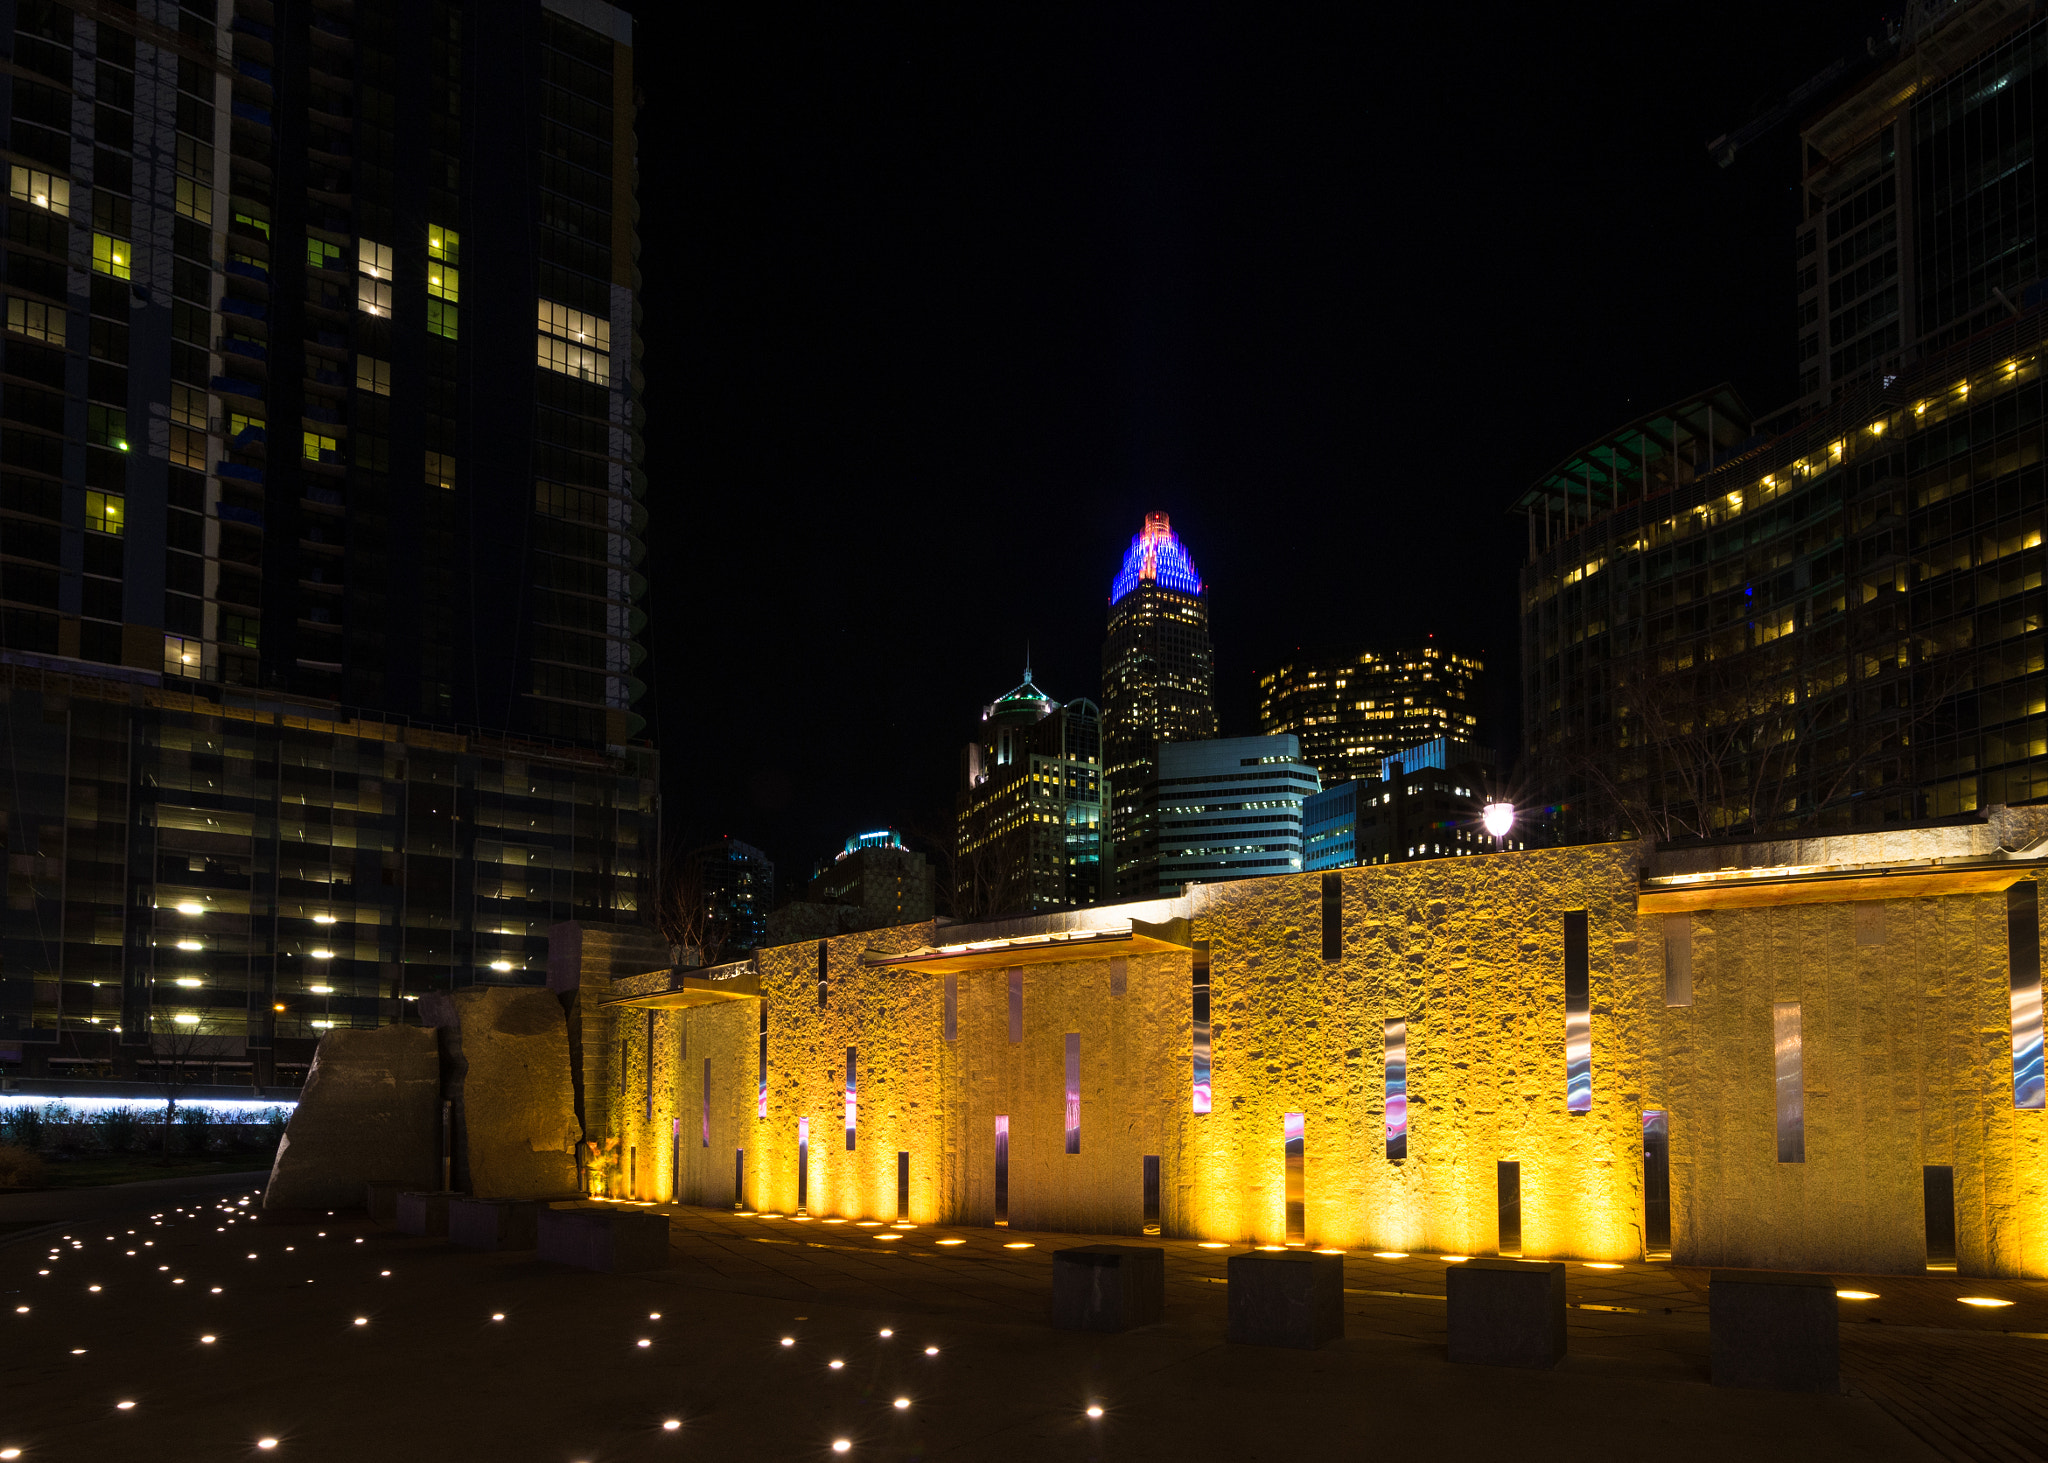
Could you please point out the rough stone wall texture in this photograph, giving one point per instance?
(369, 1111)
(505, 1055)
(1907, 1058)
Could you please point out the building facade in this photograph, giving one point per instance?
(1603, 1052)
(1158, 677)
(1426, 804)
(1030, 820)
(214, 234)
(734, 884)
(1351, 711)
(259, 870)
(874, 882)
(1228, 808)
(1922, 196)
(1840, 626)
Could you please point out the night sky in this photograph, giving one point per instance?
(939, 306)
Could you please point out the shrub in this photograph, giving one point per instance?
(24, 1128)
(119, 1128)
(194, 1121)
(19, 1168)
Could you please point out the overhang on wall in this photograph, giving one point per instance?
(1763, 888)
(1136, 938)
(712, 985)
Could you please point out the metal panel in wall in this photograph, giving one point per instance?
(1003, 1168)
(1578, 1020)
(1507, 1192)
(1119, 975)
(822, 988)
(1333, 916)
(852, 1097)
(1016, 1003)
(739, 1178)
(1397, 1089)
(1657, 1183)
(1200, 1020)
(1938, 1193)
(803, 1163)
(761, 1094)
(1293, 1130)
(707, 1102)
(902, 1185)
(1790, 1060)
(1151, 1193)
(2023, 949)
(1678, 960)
(1073, 1092)
(952, 1007)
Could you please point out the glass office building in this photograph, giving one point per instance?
(1353, 711)
(1029, 822)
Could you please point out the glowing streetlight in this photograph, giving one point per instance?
(1498, 818)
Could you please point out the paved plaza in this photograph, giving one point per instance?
(190, 1329)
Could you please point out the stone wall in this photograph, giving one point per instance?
(369, 1112)
(505, 1063)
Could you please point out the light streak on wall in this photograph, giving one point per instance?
(1397, 1089)
(2023, 940)
(1790, 1064)
(1578, 1019)
(1073, 1092)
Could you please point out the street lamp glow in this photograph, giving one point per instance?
(501, 965)
(1498, 818)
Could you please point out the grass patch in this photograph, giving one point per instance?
(91, 1170)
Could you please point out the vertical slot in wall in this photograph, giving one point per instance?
(649, 1113)
(1292, 1131)
(2023, 953)
(1397, 1089)
(1016, 1003)
(952, 1029)
(1200, 1019)
(1657, 1183)
(1789, 1057)
(803, 1163)
(1578, 1015)
(1678, 960)
(761, 1092)
(1507, 1195)
(1151, 1219)
(705, 1115)
(1333, 916)
(739, 1178)
(852, 1098)
(1119, 976)
(675, 1160)
(821, 975)
(1003, 1168)
(1938, 1197)
(902, 1185)
(1073, 1092)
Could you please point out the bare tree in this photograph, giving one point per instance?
(182, 1054)
(685, 912)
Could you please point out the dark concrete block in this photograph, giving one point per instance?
(381, 1199)
(1108, 1287)
(1775, 1330)
(604, 1239)
(1506, 1312)
(495, 1224)
(424, 1213)
(1286, 1298)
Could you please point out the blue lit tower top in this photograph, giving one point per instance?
(1157, 555)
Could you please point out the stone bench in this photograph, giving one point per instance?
(1775, 1330)
(425, 1212)
(381, 1199)
(1505, 1312)
(1286, 1298)
(608, 1239)
(495, 1224)
(1108, 1287)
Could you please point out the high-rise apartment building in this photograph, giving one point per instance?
(733, 884)
(320, 509)
(1352, 711)
(1922, 194)
(1028, 834)
(1158, 677)
(1227, 808)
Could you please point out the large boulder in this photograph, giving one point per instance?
(506, 1050)
(368, 1112)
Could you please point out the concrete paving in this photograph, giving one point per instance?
(341, 1340)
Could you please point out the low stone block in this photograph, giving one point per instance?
(424, 1212)
(614, 1240)
(1506, 1312)
(381, 1199)
(1108, 1287)
(1775, 1330)
(1286, 1298)
(495, 1224)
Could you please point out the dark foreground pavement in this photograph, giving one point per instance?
(339, 1340)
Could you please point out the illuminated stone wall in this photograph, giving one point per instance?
(1907, 1062)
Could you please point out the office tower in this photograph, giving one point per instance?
(871, 884)
(1158, 676)
(1425, 803)
(1028, 832)
(318, 527)
(1351, 711)
(1841, 626)
(1227, 808)
(1921, 195)
(732, 886)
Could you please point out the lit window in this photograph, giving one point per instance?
(373, 375)
(441, 318)
(195, 201)
(182, 657)
(26, 185)
(35, 320)
(104, 512)
(320, 254)
(238, 630)
(107, 426)
(373, 296)
(440, 470)
(574, 343)
(373, 259)
(444, 246)
(444, 252)
(188, 405)
(239, 428)
(321, 449)
(110, 255)
(253, 225)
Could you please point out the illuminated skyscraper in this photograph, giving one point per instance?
(1352, 711)
(1158, 676)
(1029, 829)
